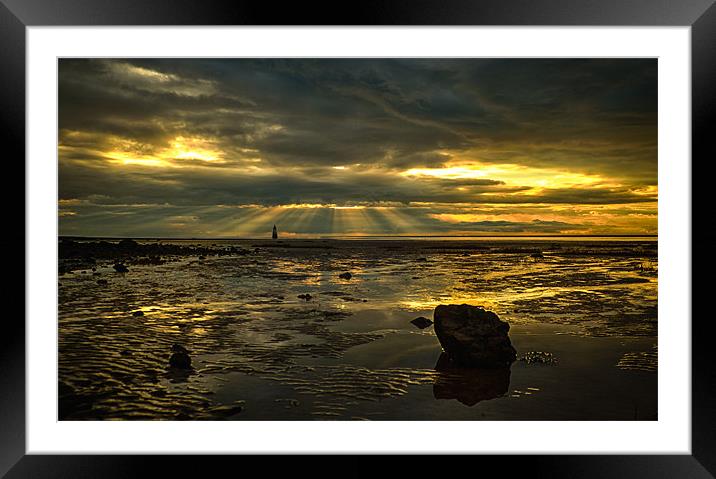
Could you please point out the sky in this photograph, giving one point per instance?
(319, 147)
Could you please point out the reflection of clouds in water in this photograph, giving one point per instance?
(640, 360)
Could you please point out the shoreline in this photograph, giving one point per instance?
(496, 237)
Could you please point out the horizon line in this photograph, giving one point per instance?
(526, 235)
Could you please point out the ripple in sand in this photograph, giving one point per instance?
(639, 361)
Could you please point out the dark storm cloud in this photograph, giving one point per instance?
(335, 112)
(281, 126)
(202, 187)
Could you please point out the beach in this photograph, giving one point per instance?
(275, 333)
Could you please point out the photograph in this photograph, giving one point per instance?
(357, 238)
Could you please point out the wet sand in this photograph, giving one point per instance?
(350, 352)
(590, 381)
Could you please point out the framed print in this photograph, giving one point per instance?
(424, 228)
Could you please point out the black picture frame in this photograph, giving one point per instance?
(700, 15)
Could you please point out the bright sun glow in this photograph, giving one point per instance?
(126, 152)
(192, 148)
(515, 175)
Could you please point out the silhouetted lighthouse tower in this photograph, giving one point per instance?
(274, 234)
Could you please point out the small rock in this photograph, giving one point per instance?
(120, 268)
(537, 255)
(178, 348)
(422, 322)
(138, 313)
(306, 296)
(180, 360)
(345, 275)
(102, 281)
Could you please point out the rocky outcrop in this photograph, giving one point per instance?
(473, 337)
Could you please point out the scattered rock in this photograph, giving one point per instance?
(345, 275)
(120, 268)
(149, 260)
(138, 313)
(128, 244)
(473, 337)
(79, 255)
(422, 322)
(202, 257)
(306, 296)
(422, 260)
(537, 255)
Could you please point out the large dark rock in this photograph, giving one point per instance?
(473, 337)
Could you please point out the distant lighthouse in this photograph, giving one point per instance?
(274, 234)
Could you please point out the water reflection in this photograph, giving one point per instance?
(178, 376)
(469, 385)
